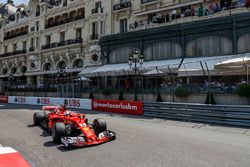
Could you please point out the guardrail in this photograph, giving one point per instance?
(215, 114)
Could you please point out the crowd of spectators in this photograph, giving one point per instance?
(190, 11)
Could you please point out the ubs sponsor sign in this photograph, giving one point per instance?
(128, 107)
(69, 102)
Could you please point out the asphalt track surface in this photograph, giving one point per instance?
(141, 141)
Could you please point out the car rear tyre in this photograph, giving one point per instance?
(99, 125)
(58, 131)
(38, 117)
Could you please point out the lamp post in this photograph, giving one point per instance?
(11, 78)
(133, 60)
(61, 74)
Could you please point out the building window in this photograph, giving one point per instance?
(37, 42)
(32, 42)
(37, 10)
(62, 36)
(5, 49)
(37, 25)
(48, 40)
(24, 45)
(98, 4)
(94, 31)
(123, 25)
(65, 2)
(14, 47)
(79, 33)
(102, 31)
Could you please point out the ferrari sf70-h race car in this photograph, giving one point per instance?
(72, 129)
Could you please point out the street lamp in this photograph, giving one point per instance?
(61, 74)
(134, 59)
(11, 78)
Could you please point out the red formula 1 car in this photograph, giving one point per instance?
(72, 129)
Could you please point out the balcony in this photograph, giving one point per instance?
(15, 35)
(68, 20)
(13, 53)
(62, 43)
(148, 1)
(121, 6)
(94, 37)
(96, 10)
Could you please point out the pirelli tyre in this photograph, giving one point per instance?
(38, 117)
(99, 125)
(58, 131)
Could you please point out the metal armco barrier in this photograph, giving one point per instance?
(215, 114)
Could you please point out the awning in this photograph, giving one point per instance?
(208, 65)
(82, 79)
(88, 70)
(124, 68)
(240, 62)
(154, 72)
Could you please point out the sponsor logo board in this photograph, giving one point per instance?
(3, 99)
(69, 102)
(128, 107)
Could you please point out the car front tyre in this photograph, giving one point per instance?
(58, 131)
(38, 117)
(99, 125)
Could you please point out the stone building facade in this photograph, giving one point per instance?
(46, 39)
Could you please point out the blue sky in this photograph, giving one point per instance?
(17, 1)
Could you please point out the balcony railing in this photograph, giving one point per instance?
(94, 36)
(15, 35)
(62, 43)
(96, 10)
(13, 53)
(68, 20)
(147, 1)
(121, 6)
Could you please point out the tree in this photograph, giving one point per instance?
(181, 92)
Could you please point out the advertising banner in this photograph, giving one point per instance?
(69, 102)
(118, 106)
(3, 99)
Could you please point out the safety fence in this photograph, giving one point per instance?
(233, 115)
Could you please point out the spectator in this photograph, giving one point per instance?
(200, 11)
(247, 3)
(136, 24)
(173, 14)
(167, 17)
(206, 12)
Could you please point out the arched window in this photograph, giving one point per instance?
(61, 65)
(37, 10)
(47, 67)
(23, 69)
(4, 71)
(78, 63)
(13, 70)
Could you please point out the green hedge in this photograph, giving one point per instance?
(181, 92)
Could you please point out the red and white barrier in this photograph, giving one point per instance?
(11, 158)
